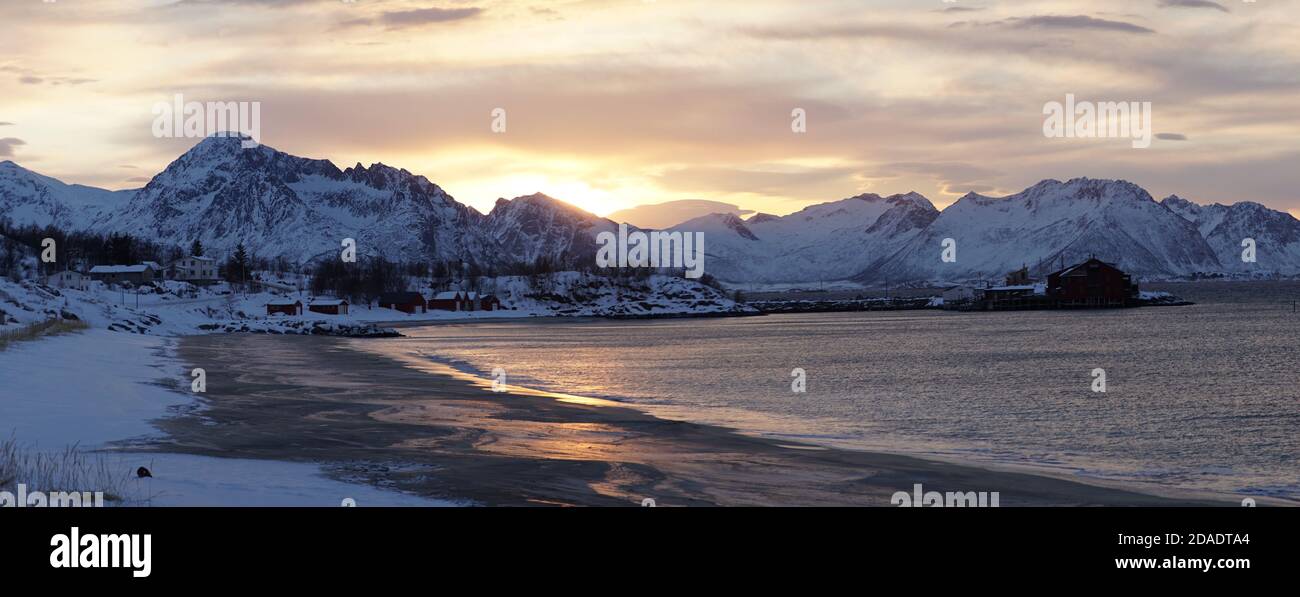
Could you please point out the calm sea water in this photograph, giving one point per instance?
(1201, 397)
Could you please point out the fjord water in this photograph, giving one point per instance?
(1197, 397)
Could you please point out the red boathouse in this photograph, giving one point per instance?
(1093, 283)
(406, 302)
(328, 306)
(284, 307)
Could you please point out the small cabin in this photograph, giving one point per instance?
(1019, 277)
(960, 294)
(117, 274)
(962, 297)
(1010, 297)
(489, 302)
(67, 279)
(328, 306)
(450, 300)
(406, 302)
(284, 307)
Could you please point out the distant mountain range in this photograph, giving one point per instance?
(301, 209)
(670, 213)
(900, 239)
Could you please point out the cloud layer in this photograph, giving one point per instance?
(611, 104)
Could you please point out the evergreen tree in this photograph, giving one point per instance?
(196, 248)
(238, 265)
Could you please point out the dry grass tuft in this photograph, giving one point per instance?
(70, 470)
(49, 327)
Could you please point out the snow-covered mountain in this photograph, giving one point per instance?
(1276, 234)
(298, 208)
(1047, 224)
(659, 216)
(828, 241)
(536, 226)
(30, 198)
(281, 205)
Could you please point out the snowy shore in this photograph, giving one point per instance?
(104, 391)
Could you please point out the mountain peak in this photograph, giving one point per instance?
(216, 149)
(538, 199)
(221, 142)
(734, 222)
(912, 198)
(1095, 189)
(973, 197)
(541, 201)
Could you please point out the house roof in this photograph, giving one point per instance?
(1019, 287)
(118, 269)
(1069, 270)
(328, 302)
(282, 303)
(447, 295)
(400, 297)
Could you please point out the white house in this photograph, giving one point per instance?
(194, 269)
(67, 279)
(116, 274)
(961, 294)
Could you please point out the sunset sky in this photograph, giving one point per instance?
(615, 103)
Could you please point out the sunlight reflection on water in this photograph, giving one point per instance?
(1198, 397)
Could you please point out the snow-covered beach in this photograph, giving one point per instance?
(292, 419)
(103, 391)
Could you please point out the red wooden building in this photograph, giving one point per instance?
(284, 307)
(1093, 283)
(489, 302)
(449, 300)
(406, 302)
(328, 306)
